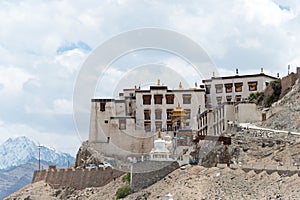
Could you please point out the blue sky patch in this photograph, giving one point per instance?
(70, 46)
(287, 8)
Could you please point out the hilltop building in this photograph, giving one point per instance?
(128, 124)
(234, 88)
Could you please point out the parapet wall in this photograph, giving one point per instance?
(79, 178)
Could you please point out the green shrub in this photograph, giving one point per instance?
(126, 177)
(123, 192)
(269, 101)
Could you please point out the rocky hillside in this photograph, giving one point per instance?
(288, 107)
(198, 182)
(194, 182)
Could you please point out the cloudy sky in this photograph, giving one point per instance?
(43, 45)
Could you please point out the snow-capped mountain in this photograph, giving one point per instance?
(21, 150)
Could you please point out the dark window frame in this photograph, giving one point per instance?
(252, 86)
(170, 98)
(147, 114)
(158, 98)
(102, 106)
(238, 87)
(147, 99)
(186, 99)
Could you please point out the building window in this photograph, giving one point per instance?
(169, 112)
(158, 99)
(228, 87)
(228, 98)
(147, 126)
(146, 99)
(147, 114)
(238, 87)
(158, 125)
(186, 98)
(252, 86)
(238, 98)
(207, 89)
(158, 114)
(219, 100)
(122, 124)
(102, 106)
(170, 98)
(188, 113)
(219, 88)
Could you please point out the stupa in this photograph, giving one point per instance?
(160, 151)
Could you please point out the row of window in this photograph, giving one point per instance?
(147, 125)
(186, 99)
(238, 87)
(238, 98)
(158, 114)
(158, 125)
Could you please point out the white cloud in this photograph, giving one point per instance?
(62, 106)
(249, 43)
(265, 12)
(235, 34)
(58, 107)
(71, 59)
(13, 78)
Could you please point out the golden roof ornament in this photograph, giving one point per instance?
(262, 70)
(159, 134)
(180, 85)
(158, 82)
(178, 112)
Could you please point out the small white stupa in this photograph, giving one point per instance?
(159, 151)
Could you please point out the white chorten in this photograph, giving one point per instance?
(160, 151)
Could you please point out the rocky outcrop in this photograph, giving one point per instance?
(270, 95)
(285, 110)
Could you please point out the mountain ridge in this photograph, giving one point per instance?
(19, 158)
(21, 150)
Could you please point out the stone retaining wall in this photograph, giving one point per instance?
(79, 178)
(269, 169)
(149, 172)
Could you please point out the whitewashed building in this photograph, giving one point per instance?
(234, 88)
(128, 124)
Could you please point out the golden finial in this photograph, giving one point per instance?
(262, 70)
(180, 85)
(213, 75)
(159, 135)
(158, 82)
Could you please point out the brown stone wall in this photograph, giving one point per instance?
(149, 172)
(79, 178)
(287, 82)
